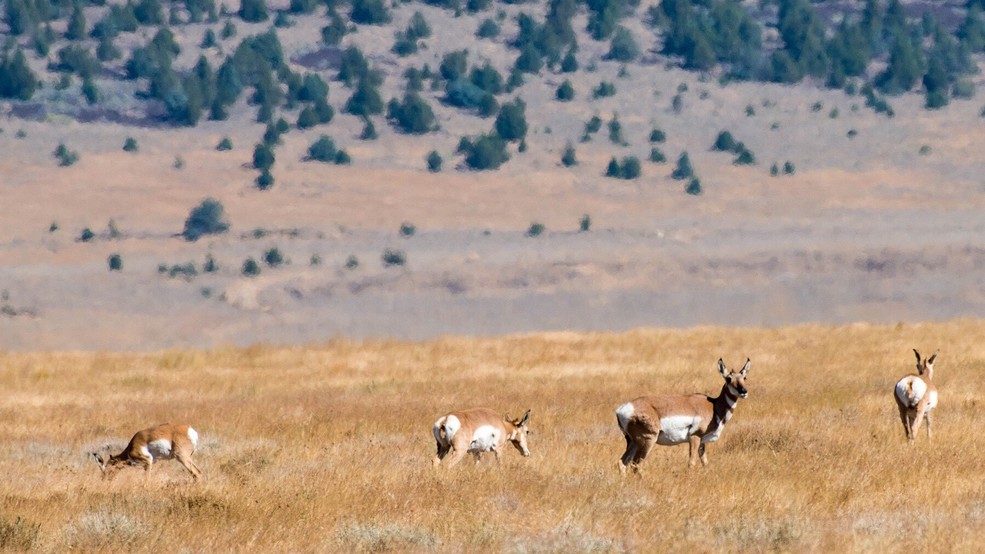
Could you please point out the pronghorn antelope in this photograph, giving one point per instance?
(161, 442)
(916, 396)
(476, 431)
(668, 420)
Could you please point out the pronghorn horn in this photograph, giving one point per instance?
(745, 368)
(918, 355)
(526, 417)
(721, 368)
(933, 358)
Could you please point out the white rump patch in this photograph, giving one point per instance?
(677, 429)
(159, 449)
(193, 436)
(910, 390)
(624, 414)
(450, 424)
(485, 439)
(932, 400)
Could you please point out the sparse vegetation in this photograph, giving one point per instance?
(130, 145)
(434, 161)
(393, 256)
(273, 257)
(250, 268)
(115, 262)
(585, 223)
(407, 229)
(208, 218)
(535, 229)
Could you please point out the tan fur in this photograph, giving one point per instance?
(643, 428)
(514, 431)
(911, 410)
(182, 449)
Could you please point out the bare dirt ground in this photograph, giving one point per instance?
(886, 226)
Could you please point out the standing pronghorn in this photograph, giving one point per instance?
(916, 396)
(476, 431)
(668, 420)
(161, 442)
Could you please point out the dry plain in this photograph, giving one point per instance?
(327, 447)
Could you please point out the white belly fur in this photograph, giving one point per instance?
(485, 439)
(159, 449)
(677, 429)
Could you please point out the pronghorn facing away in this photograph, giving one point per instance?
(668, 420)
(161, 442)
(476, 431)
(916, 396)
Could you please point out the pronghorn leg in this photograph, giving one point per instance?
(188, 464)
(441, 453)
(456, 457)
(906, 422)
(628, 455)
(916, 421)
(478, 456)
(702, 454)
(643, 447)
(694, 447)
(926, 416)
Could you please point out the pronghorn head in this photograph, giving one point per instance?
(108, 464)
(518, 435)
(925, 366)
(735, 380)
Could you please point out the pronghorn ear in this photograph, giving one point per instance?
(99, 459)
(722, 369)
(745, 368)
(526, 418)
(932, 359)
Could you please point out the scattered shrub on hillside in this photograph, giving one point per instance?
(273, 257)
(693, 187)
(774, 170)
(568, 158)
(657, 156)
(725, 142)
(369, 130)
(486, 152)
(585, 223)
(251, 268)
(65, 156)
(86, 235)
(615, 131)
(434, 161)
(745, 157)
(263, 157)
(265, 180)
(412, 115)
(407, 229)
(53, 227)
(253, 11)
(224, 144)
(130, 145)
(658, 136)
(788, 168)
(683, 170)
(115, 262)
(565, 92)
(314, 261)
(511, 123)
(603, 90)
(210, 265)
(178, 163)
(205, 219)
(393, 256)
(352, 262)
(369, 12)
(535, 229)
(342, 158)
(487, 29)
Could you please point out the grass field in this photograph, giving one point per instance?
(328, 447)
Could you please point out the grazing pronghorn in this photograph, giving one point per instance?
(476, 431)
(916, 396)
(668, 420)
(161, 442)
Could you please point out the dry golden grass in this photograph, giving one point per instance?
(328, 448)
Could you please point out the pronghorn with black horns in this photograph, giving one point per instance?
(696, 419)
(476, 431)
(916, 396)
